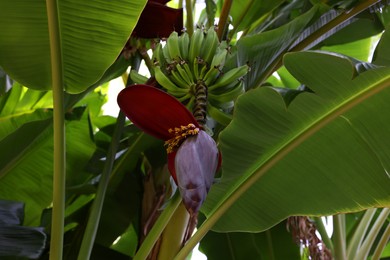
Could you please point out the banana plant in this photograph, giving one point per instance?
(288, 96)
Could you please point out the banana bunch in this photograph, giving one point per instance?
(185, 62)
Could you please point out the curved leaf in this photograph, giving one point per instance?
(26, 165)
(242, 246)
(19, 106)
(327, 153)
(382, 53)
(264, 50)
(92, 36)
(246, 13)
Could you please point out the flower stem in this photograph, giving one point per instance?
(222, 24)
(59, 167)
(158, 228)
(369, 240)
(94, 216)
(339, 237)
(382, 243)
(324, 235)
(190, 17)
(360, 233)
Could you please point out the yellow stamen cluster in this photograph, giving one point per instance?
(181, 133)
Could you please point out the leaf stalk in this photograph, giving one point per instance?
(59, 167)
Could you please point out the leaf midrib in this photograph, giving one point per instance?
(301, 136)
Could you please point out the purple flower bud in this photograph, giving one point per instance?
(196, 162)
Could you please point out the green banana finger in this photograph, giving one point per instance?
(184, 44)
(178, 80)
(203, 71)
(137, 78)
(219, 58)
(165, 82)
(173, 46)
(189, 72)
(211, 76)
(210, 45)
(195, 44)
(227, 96)
(184, 75)
(158, 56)
(184, 98)
(230, 76)
(166, 55)
(218, 115)
(195, 68)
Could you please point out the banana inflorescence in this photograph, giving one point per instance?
(192, 69)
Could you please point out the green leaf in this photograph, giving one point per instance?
(26, 165)
(382, 52)
(264, 50)
(20, 105)
(246, 13)
(92, 36)
(262, 246)
(359, 49)
(327, 153)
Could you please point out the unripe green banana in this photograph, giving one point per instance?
(218, 115)
(195, 45)
(137, 78)
(173, 46)
(203, 72)
(195, 68)
(178, 80)
(215, 67)
(219, 58)
(229, 77)
(211, 75)
(158, 56)
(166, 55)
(189, 72)
(184, 44)
(209, 46)
(165, 82)
(184, 75)
(227, 96)
(184, 98)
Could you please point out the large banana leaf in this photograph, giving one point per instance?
(242, 246)
(92, 36)
(327, 152)
(262, 51)
(26, 164)
(247, 13)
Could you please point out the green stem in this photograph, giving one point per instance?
(94, 216)
(158, 228)
(369, 240)
(190, 17)
(59, 168)
(359, 234)
(173, 235)
(222, 24)
(324, 235)
(148, 62)
(339, 237)
(381, 244)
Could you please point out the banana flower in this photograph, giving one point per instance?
(193, 156)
